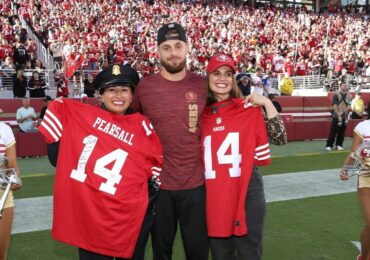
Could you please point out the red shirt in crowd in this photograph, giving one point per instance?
(301, 68)
(289, 67)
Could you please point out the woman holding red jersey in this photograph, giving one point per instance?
(235, 140)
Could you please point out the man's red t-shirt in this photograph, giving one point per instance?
(174, 108)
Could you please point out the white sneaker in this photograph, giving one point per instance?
(328, 148)
(340, 148)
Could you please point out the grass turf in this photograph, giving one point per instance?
(39, 177)
(313, 228)
(306, 229)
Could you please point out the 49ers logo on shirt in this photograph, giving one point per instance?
(191, 96)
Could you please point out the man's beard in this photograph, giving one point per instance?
(173, 69)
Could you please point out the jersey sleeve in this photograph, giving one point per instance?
(155, 151)
(262, 150)
(18, 115)
(361, 128)
(7, 135)
(51, 126)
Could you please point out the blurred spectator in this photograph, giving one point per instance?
(330, 82)
(19, 84)
(257, 84)
(20, 55)
(289, 66)
(26, 116)
(286, 85)
(57, 47)
(244, 83)
(341, 105)
(301, 68)
(276, 103)
(272, 81)
(357, 106)
(343, 76)
(61, 83)
(84, 98)
(31, 47)
(76, 93)
(77, 81)
(264, 36)
(89, 89)
(46, 99)
(37, 65)
(36, 85)
(8, 64)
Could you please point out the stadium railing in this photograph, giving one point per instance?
(300, 82)
(311, 85)
(6, 81)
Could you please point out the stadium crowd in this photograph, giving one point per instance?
(92, 34)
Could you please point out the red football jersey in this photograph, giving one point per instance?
(234, 139)
(101, 185)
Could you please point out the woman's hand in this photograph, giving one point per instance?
(256, 100)
(59, 99)
(343, 175)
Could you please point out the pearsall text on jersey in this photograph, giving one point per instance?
(113, 130)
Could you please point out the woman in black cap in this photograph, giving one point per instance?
(104, 157)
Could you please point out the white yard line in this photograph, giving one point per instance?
(35, 214)
(301, 185)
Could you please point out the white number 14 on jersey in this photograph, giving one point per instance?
(112, 176)
(234, 158)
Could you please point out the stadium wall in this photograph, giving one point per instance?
(305, 118)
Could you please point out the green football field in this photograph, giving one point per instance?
(309, 228)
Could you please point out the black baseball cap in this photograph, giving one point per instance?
(116, 75)
(178, 33)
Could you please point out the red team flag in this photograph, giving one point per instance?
(72, 65)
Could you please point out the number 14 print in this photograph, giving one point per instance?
(112, 176)
(235, 158)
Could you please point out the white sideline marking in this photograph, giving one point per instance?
(32, 214)
(357, 244)
(35, 214)
(299, 185)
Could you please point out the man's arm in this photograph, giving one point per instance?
(53, 150)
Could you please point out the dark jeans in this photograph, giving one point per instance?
(188, 208)
(355, 116)
(87, 255)
(248, 247)
(336, 133)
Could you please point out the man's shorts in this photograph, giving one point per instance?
(363, 182)
(9, 202)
